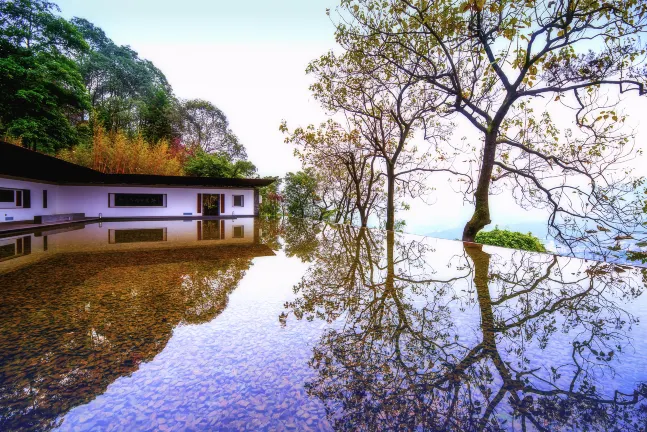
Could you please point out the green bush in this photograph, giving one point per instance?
(510, 239)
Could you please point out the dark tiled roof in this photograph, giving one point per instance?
(22, 163)
(19, 162)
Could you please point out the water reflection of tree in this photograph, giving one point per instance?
(77, 322)
(406, 356)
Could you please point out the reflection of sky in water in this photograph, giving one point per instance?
(233, 371)
(232, 363)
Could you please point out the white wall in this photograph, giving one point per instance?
(36, 200)
(93, 200)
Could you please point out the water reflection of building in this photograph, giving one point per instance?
(107, 298)
(96, 237)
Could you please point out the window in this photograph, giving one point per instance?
(137, 200)
(15, 248)
(15, 198)
(137, 235)
(239, 201)
(239, 231)
(7, 196)
(44, 198)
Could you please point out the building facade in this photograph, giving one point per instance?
(33, 185)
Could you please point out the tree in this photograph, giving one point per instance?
(158, 116)
(493, 61)
(41, 88)
(205, 126)
(347, 162)
(127, 93)
(271, 200)
(386, 107)
(203, 164)
(301, 196)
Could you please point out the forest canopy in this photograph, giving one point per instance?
(69, 90)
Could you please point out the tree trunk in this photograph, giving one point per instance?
(390, 197)
(363, 217)
(390, 261)
(481, 216)
(481, 261)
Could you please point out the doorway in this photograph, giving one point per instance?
(211, 205)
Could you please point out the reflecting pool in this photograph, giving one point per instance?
(243, 324)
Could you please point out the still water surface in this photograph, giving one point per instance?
(251, 325)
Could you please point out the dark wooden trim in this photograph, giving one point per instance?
(199, 230)
(199, 203)
(222, 229)
(222, 203)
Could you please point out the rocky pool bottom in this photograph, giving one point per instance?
(253, 325)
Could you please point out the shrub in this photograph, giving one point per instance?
(510, 239)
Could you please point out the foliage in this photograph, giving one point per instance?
(118, 153)
(157, 117)
(301, 197)
(352, 186)
(127, 92)
(205, 126)
(62, 80)
(271, 206)
(510, 239)
(385, 108)
(41, 88)
(202, 164)
(490, 61)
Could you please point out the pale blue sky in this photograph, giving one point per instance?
(206, 21)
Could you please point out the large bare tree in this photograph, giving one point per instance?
(387, 107)
(495, 62)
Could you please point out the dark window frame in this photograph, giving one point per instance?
(112, 200)
(21, 199)
(242, 200)
(137, 235)
(7, 191)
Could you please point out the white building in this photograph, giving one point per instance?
(41, 188)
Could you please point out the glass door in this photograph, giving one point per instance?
(211, 205)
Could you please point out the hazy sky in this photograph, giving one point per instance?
(249, 58)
